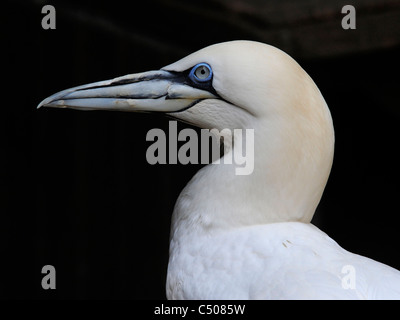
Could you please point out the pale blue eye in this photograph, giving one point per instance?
(201, 73)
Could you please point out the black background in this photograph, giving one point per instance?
(76, 190)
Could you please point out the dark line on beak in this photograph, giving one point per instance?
(170, 76)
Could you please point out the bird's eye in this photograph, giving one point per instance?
(201, 73)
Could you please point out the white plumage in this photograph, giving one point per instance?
(287, 260)
(248, 237)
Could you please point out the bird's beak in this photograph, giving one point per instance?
(153, 91)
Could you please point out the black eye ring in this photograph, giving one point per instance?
(201, 73)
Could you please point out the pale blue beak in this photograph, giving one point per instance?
(153, 91)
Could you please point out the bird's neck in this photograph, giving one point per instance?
(289, 176)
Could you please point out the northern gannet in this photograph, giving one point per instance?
(247, 236)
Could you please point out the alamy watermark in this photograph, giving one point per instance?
(349, 277)
(49, 280)
(49, 20)
(241, 155)
(349, 20)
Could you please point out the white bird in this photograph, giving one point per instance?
(248, 236)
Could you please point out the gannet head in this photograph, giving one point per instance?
(237, 85)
